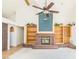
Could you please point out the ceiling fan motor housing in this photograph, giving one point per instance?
(47, 15)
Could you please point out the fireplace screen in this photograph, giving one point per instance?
(45, 40)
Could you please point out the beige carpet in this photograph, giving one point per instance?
(28, 53)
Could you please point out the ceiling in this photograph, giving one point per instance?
(9, 7)
(18, 9)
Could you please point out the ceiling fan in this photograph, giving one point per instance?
(46, 8)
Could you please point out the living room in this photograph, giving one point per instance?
(35, 24)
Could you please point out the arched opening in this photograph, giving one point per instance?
(11, 29)
(12, 35)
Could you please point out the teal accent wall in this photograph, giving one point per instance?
(45, 25)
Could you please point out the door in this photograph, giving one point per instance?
(4, 36)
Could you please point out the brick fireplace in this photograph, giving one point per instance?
(45, 40)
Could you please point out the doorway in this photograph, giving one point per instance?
(11, 36)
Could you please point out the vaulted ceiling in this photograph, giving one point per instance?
(9, 7)
(12, 8)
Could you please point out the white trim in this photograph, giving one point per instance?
(25, 34)
(45, 32)
(8, 21)
(8, 38)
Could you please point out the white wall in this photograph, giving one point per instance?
(8, 21)
(18, 37)
(25, 34)
(12, 39)
(73, 35)
(25, 14)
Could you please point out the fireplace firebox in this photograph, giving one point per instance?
(45, 40)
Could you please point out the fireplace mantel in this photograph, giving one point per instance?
(40, 33)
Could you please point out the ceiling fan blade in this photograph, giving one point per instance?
(37, 7)
(27, 2)
(53, 11)
(49, 6)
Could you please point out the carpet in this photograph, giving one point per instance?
(28, 53)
